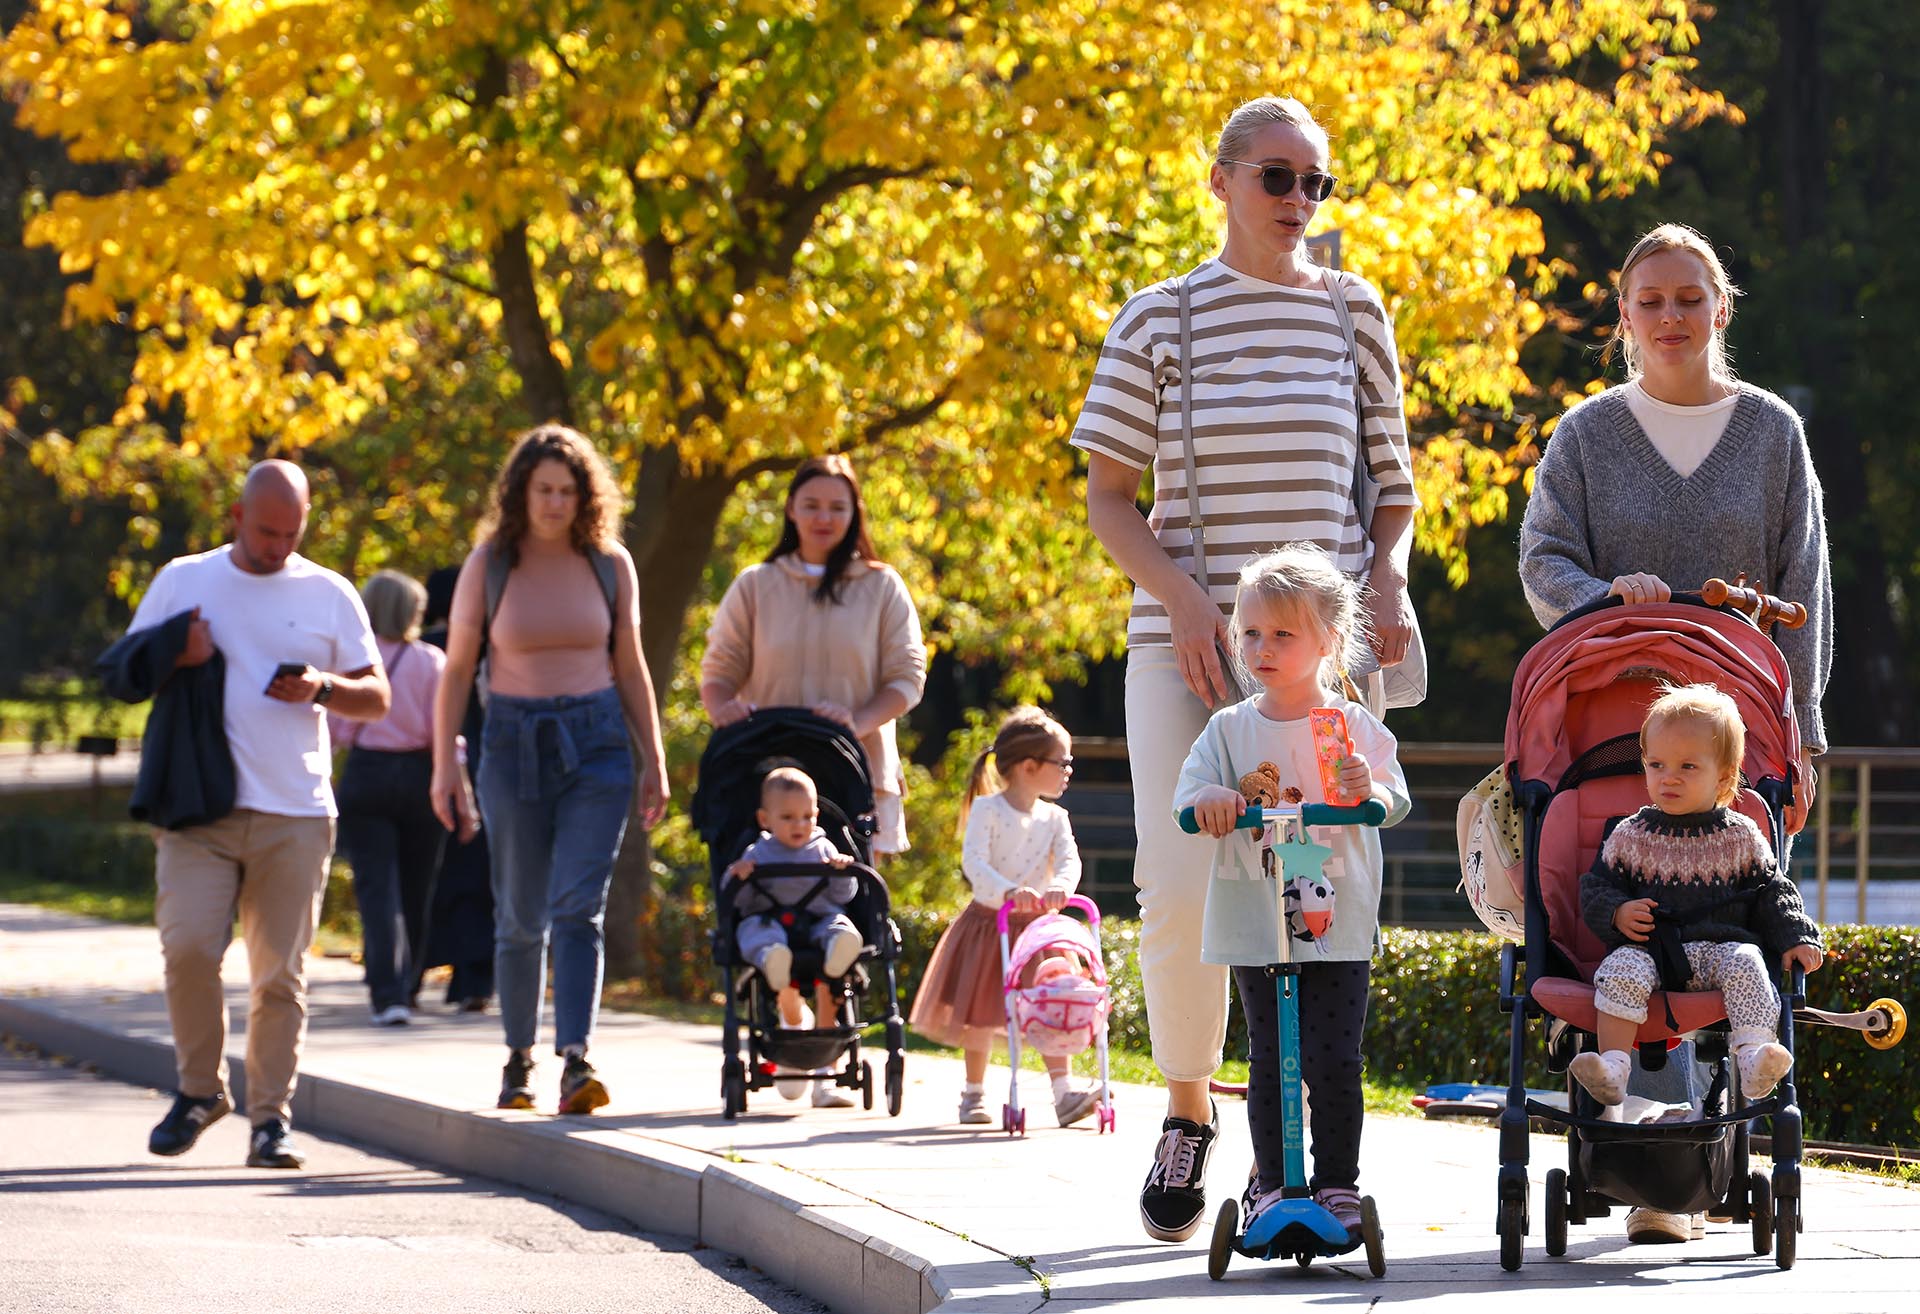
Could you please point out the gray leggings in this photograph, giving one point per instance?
(1333, 1017)
(1627, 976)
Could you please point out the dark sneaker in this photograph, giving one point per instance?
(271, 1147)
(176, 1133)
(580, 1088)
(1175, 1196)
(516, 1081)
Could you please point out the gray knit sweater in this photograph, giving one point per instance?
(1606, 503)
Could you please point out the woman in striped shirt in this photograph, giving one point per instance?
(1275, 441)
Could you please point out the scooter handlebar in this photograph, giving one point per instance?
(1370, 813)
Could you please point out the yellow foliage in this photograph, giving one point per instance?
(762, 229)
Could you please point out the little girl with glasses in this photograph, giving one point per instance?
(1019, 845)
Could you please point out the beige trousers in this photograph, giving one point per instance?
(273, 870)
(1186, 998)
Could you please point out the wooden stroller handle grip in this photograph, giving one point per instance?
(1763, 607)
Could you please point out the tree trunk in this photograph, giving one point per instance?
(543, 382)
(671, 536)
(1868, 642)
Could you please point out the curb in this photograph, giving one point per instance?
(799, 1230)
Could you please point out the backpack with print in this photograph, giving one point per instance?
(1488, 830)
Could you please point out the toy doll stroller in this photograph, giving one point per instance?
(1063, 1008)
(1573, 756)
(737, 758)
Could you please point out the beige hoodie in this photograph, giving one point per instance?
(778, 647)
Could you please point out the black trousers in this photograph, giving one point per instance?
(1333, 1017)
(392, 841)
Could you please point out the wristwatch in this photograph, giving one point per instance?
(326, 691)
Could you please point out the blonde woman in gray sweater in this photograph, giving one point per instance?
(1681, 474)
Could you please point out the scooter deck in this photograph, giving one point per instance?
(1289, 1228)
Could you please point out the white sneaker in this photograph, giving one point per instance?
(826, 1095)
(842, 950)
(1603, 1075)
(1073, 1105)
(776, 965)
(393, 1015)
(1657, 1227)
(973, 1107)
(1761, 1067)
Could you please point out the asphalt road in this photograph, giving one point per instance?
(89, 1221)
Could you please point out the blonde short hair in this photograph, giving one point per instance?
(787, 780)
(1717, 712)
(1301, 578)
(395, 603)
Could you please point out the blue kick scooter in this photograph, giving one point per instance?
(1294, 1226)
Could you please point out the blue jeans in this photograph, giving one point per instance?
(555, 788)
(392, 840)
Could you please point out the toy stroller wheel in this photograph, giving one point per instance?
(733, 1089)
(1226, 1231)
(1375, 1240)
(1557, 1211)
(1896, 1024)
(1786, 1229)
(896, 1084)
(1105, 1117)
(866, 1084)
(1020, 1122)
(1760, 1206)
(1511, 1223)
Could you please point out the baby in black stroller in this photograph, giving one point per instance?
(785, 808)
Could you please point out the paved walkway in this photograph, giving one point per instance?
(909, 1214)
(26, 772)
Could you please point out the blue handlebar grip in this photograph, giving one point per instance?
(1370, 813)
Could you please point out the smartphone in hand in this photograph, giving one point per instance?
(285, 668)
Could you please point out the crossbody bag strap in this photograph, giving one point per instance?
(1196, 524)
(1337, 286)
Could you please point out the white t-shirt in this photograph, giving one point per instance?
(1273, 421)
(300, 613)
(1243, 916)
(1684, 436)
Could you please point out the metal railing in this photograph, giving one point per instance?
(1844, 844)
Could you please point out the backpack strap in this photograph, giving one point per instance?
(605, 569)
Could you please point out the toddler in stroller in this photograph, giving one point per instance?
(1581, 782)
(799, 907)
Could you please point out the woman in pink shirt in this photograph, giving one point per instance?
(388, 832)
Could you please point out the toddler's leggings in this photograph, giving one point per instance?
(1333, 1017)
(1626, 978)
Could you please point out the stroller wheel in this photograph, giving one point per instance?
(896, 1083)
(733, 1089)
(1511, 1223)
(1371, 1234)
(1557, 1211)
(1760, 1206)
(1105, 1117)
(1226, 1230)
(866, 1085)
(1786, 1229)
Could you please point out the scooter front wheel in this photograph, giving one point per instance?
(1374, 1238)
(1226, 1231)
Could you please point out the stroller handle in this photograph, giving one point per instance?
(1079, 901)
(1370, 813)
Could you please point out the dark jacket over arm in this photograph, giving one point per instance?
(186, 767)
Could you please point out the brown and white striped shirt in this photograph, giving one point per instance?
(1273, 423)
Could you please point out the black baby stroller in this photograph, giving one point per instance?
(1573, 757)
(736, 760)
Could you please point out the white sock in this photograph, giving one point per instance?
(973, 1088)
(1062, 1084)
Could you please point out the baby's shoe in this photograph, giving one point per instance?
(1761, 1067)
(1604, 1075)
(842, 950)
(776, 965)
(973, 1105)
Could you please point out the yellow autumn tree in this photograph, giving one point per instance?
(380, 234)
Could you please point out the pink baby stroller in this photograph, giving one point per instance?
(1064, 1008)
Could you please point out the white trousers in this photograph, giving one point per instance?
(1186, 998)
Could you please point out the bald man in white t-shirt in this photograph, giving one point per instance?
(296, 645)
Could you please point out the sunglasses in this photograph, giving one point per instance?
(1278, 179)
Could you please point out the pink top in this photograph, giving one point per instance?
(550, 634)
(413, 669)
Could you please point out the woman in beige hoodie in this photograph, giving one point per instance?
(823, 624)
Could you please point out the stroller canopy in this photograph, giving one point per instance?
(738, 756)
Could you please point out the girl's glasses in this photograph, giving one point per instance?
(1278, 179)
(1064, 763)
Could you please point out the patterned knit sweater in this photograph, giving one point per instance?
(1689, 865)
